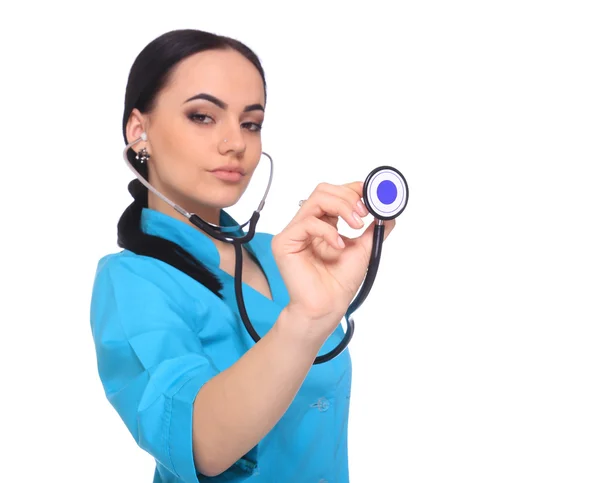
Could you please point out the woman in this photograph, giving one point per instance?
(195, 391)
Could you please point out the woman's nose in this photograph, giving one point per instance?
(232, 140)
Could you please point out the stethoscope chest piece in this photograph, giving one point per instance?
(385, 192)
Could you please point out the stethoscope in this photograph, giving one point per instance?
(385, 194)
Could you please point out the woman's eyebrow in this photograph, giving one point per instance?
(221, 104)
(254, 107)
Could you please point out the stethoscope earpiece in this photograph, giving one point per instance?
(385, 193)
(144, 136)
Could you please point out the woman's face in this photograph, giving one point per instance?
(208, 115)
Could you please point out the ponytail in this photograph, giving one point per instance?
(131, 237)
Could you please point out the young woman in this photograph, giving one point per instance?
(175, 360)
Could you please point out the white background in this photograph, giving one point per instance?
(477, 354)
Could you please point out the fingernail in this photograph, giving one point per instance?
(362, 208)
(341, 242)
(358, 218)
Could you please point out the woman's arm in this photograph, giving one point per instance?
(235, 409)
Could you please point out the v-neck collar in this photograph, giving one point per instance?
(202, 247)
(192, 239)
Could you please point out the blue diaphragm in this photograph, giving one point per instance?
(385, 192)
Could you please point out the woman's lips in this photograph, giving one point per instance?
(227, 175)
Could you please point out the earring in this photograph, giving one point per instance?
(142, 156)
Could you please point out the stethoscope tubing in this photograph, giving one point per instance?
(238, 241)
(356, 303)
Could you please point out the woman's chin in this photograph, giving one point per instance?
(220, 200)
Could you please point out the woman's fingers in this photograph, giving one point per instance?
(304, 231)
(351, 192)
(335, 201)
(322, 204)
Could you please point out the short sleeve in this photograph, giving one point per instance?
(150, 360)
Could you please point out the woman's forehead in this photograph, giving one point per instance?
(225, 74)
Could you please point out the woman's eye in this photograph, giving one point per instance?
(201, 118)
(252, 126)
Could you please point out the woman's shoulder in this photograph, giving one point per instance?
(126, 264)
(127, 275)
(125, 269)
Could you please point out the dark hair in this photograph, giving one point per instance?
(148, 75)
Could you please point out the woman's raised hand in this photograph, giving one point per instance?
(322, 277)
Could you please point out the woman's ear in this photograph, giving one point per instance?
(135, 126)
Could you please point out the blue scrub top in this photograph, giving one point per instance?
(160, 335)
